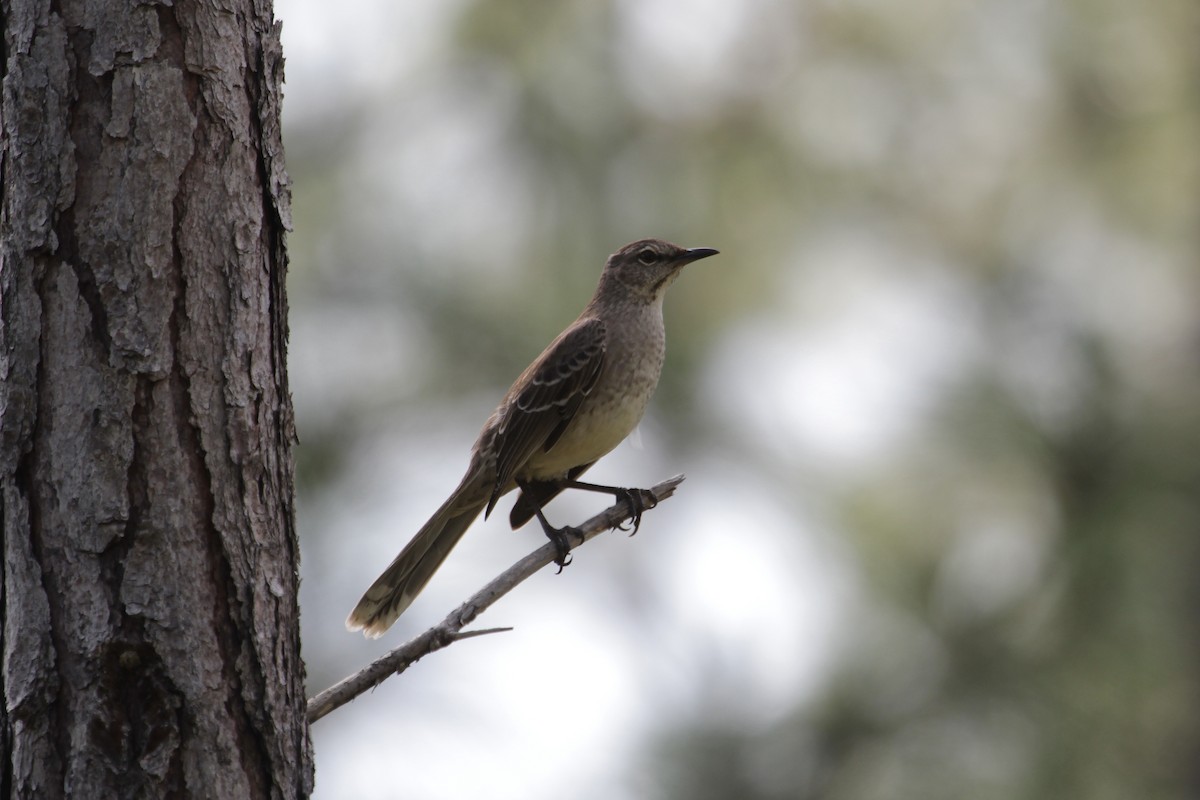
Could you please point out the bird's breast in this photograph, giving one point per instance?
(632, 364)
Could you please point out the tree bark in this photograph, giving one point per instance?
(149, 631)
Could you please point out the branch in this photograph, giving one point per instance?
(450, 630)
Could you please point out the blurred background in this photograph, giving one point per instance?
(937, 399)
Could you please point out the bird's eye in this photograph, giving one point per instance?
(648, 256)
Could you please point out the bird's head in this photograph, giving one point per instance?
(648, 266)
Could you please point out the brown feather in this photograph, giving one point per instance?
(558, 383)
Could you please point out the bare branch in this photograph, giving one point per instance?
(450, 630)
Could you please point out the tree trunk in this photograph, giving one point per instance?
(149, 630)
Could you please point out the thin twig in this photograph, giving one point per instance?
(450, 629)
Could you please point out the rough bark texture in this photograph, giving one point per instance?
(150, 629)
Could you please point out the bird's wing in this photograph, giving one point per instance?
(554, 387)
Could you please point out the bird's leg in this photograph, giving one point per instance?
(557, 536)
(638, 500)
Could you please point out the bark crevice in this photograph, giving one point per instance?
(150, 626)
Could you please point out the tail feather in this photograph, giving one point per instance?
(394, 590)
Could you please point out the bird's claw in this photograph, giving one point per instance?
(639, 501)
(562, 545)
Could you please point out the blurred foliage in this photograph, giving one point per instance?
(1030, 547)
(1083, 685)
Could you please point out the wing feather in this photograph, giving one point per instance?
(547, 396)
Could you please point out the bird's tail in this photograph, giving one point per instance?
(403, 580)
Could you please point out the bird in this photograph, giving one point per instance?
(577, 401)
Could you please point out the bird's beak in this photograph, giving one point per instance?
(696, 253)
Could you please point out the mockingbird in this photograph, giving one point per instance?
(577, 401)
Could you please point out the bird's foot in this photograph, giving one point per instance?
(562, 544)
(639, 501)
